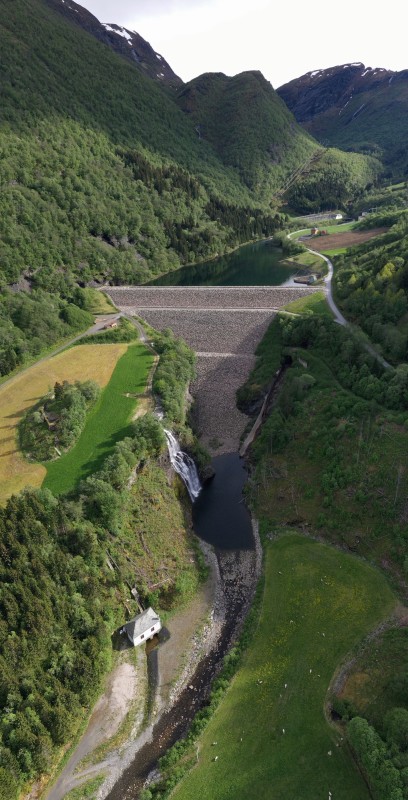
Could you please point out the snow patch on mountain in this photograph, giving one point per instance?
(120, 31)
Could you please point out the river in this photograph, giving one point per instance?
(222, 519)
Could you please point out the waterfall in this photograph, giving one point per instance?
(183, 465)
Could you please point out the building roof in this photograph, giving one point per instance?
(142, 623)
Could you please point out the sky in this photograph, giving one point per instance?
(283, 39)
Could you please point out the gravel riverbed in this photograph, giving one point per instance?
(238, 572)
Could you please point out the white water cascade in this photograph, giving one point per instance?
(183, 465)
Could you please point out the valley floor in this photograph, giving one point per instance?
(269, 737)
(117, 726)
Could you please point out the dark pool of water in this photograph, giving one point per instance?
(220, 516)
(257, 264)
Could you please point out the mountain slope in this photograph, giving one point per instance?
(124, 42)
(95, 150)
(354, 107)
(105, 178)
(249, 126)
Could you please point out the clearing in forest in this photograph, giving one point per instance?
(93, 362)
(108, 422)
(348, 238)
(269, 737)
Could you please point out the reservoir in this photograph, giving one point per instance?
(257, 264)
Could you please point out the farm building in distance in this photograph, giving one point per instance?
(143, 627)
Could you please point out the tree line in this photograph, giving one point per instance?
(371, 284)
(66, 566)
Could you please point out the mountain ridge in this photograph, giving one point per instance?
(123, 41)
(224, 110)
(354, 107)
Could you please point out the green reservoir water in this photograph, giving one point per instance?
(255, 264)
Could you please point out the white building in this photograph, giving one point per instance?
(143, 627)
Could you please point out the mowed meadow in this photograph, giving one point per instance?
(94, 362)
(108, 422)
(269, 737)
(120, 369)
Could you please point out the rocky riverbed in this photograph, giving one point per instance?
(238, 571)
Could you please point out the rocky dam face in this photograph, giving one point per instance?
(223, 325)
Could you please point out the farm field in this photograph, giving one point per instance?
(94, 362)
(107, 423)
(270, 733)
(347, 239)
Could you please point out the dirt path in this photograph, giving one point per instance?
(106, 718)
(238, 572)
(190, 631)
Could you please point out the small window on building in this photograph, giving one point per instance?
(142, 635)
(152, 629)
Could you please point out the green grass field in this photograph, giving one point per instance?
(98, 302)
(108, 422)
(337, 251)
(313, 303)
(340, 228)
(318, 604)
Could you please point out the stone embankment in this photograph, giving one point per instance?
(225, 298)
(223, 325)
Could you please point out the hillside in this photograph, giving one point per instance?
(101, 166)
(67, 565)
(128, 44)
(333, 179)
(103, 177)
(249, 126)
(354, 107)
(97, 159)
(371, 283)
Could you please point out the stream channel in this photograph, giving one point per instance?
(221, 519)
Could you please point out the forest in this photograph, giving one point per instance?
(60, 600)
(371, 285)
